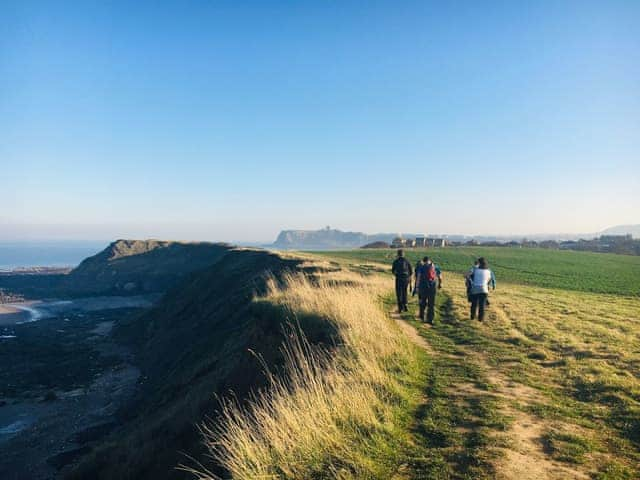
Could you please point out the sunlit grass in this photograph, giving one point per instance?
(332, 412)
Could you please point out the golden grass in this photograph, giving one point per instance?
(590, 333)
(579, 349)
(322, 414)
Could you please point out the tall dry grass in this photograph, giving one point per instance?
(321, 416)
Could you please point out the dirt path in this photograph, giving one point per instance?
(411, 333)
(521, 450)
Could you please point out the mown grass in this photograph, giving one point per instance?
(461, 435)
(578, 350)
(559, 269)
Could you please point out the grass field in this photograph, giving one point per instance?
(547, 388)
(582, 271)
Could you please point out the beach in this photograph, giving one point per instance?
(10, 314)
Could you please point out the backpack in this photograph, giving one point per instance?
(404, 267)
(431, 273)
(428, 274)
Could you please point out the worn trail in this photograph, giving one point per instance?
(514, 444)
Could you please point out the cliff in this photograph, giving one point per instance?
(326, 239)
(196, 343)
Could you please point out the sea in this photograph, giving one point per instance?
(46, 253)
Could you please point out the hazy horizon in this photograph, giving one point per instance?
(230, 122)
(75, 234)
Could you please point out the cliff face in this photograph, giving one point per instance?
(129, 267)
(196, 343)
(325, 239)
(125, 267)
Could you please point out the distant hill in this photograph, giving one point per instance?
(125, 267)
(332, 239)
(328, 239)
(634, 230)
(141, 266)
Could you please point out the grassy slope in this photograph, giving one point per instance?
(548, 386)
(340, 413)
(193, 345)
(582, 271)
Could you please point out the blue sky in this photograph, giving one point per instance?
(233, 120)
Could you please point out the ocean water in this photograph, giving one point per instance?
(46, 254)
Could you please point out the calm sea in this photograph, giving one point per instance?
(46, 254)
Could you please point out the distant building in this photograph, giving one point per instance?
(615, 238)
(436, 242)
(421, 241)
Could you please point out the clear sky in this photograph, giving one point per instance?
(232, 120)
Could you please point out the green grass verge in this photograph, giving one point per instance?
(569, 270)
(451, 437)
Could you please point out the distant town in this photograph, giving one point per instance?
(621, 239)
(621, 244)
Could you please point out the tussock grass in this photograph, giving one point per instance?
(332, 411)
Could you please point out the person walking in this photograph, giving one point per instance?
(428, 281)
(415, 280)
(467, 281)
(401, 268)
(481, 277)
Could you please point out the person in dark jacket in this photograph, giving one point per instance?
(428, 280)
(401, 268)
(415, 273)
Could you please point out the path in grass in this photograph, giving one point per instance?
(477, 420)
(548, 386)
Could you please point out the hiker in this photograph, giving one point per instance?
(428, 281)
(481, 278)
(401, 268)
(467, 282)
(415, 281)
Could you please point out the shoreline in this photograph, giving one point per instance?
(34, 310)
(13, 313)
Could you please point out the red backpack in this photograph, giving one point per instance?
(431, 273)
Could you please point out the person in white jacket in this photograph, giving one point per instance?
(480, 278)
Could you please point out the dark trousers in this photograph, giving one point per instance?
(402, 283)
(478, 301)
(427, 297)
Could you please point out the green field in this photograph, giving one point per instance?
(547, 387)
(567, 270)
